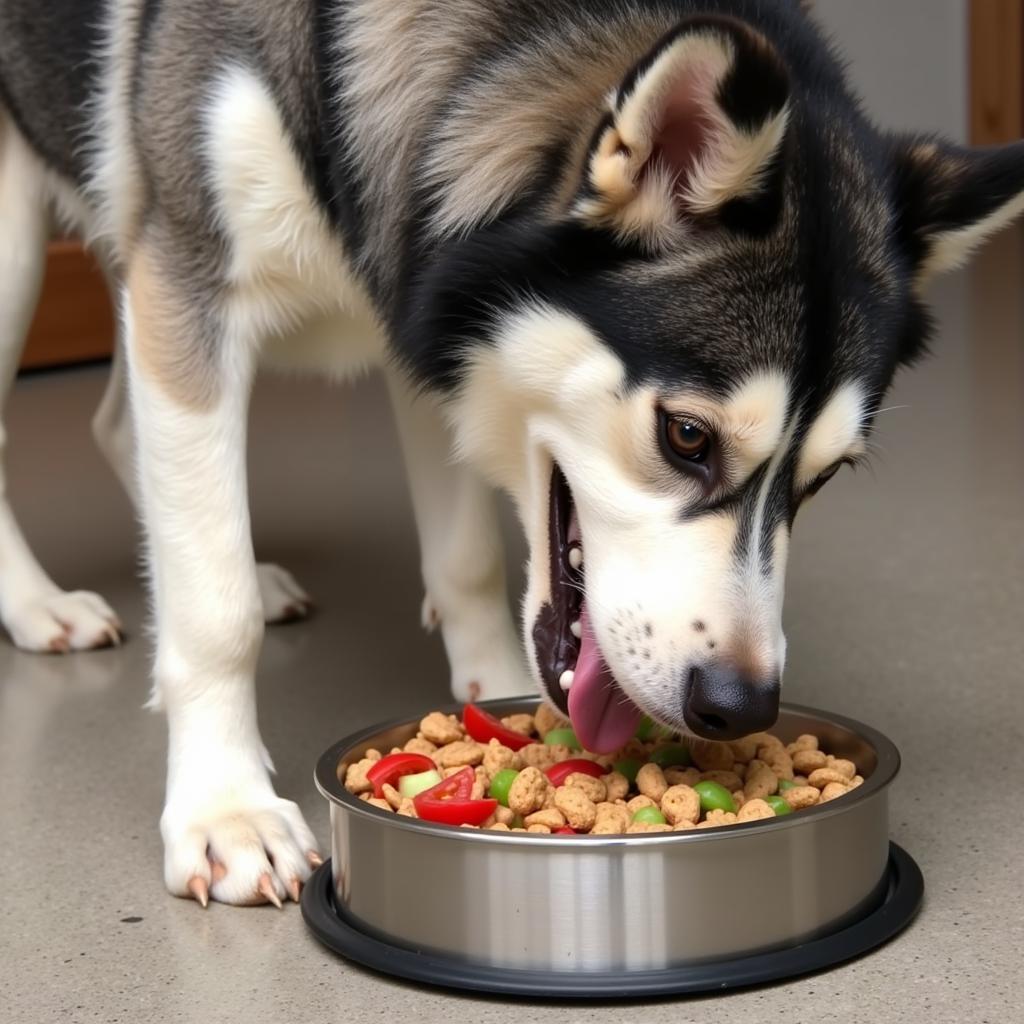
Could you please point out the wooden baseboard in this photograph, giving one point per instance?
(74, 321)
(996, 70)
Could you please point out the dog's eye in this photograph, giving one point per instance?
(689, 440)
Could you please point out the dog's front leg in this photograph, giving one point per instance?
(462, 557)
(226, 832)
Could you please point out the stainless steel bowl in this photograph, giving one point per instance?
(608, 903)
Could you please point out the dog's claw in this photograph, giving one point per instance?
(200, 891)
(266, 888)
(314, 858)
(295, 889)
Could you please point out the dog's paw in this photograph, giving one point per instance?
(238, 849)
(283, 599)
(61, 622)
(487, 673)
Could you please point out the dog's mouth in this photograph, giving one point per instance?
(572, 667)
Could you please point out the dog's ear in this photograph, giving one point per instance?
(949, 199)
(695, 131)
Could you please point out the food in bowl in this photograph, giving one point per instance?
(527, 773)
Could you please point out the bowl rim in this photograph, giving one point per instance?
(325, 776)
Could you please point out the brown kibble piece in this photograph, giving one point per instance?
(528, 791)
(616, 786)
(717, 818)
(441, 729)
(646, 826)
(355, 776)
(761, 781)
(845, 768)
(460, 754)
(595, 789)
(823, 776)
(522, 724)
(580, 811)
(546, 719)
(730, 780)
(536, 755)
(418, 745)
(376, 801)
(497, 757)
(407, 808)
(745, 749)
(680, 803)
(610, 820)
(807, 761)
(682, 776)
(833, 790)
(755, 810)
(801, 796)
(542, 829)
(803, 742)
(393, 797)
(552, 817)
(637, 802)
(650, 780)
(711, 757)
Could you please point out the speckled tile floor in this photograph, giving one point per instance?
(905, 598)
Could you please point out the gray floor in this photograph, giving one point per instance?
(905, 600)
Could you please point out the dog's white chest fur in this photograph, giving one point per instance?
(290, 283)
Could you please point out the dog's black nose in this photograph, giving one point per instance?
(723, 703)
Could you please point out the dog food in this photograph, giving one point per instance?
(528, 773)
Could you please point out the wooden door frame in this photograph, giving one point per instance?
(996, 66)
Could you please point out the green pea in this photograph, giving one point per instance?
(714, 797)
(671, 756)
(649, 816)
(628, 766)
(648, 729)
(501, 784)
(562, 738)
(778, 805)
(517, 822)
(412, 785)
(785, 784)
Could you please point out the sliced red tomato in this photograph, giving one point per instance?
(484, 727)
(450, 803)
(388, 770)
(558, 773)
(564, 831)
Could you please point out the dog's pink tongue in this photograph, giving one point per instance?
(603, 717)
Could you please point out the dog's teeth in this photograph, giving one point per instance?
(576, 557)
(576, 629)
(566, 678)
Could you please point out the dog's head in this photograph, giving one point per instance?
(663, 373)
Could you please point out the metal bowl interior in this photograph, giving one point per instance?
(593, 903)
(875, 756)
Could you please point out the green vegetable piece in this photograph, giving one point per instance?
(648, 729)
(517, 822)
(628, 766)
(649, 816)
(785, 784)
(714, 797)
(412, 785)
(778, 805)
(671, 756)
(564, 738)
(501, 784)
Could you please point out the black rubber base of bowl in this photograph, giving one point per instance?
(897, 910)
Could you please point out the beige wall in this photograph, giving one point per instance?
(908, 59)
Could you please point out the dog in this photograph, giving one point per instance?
(644, 265)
